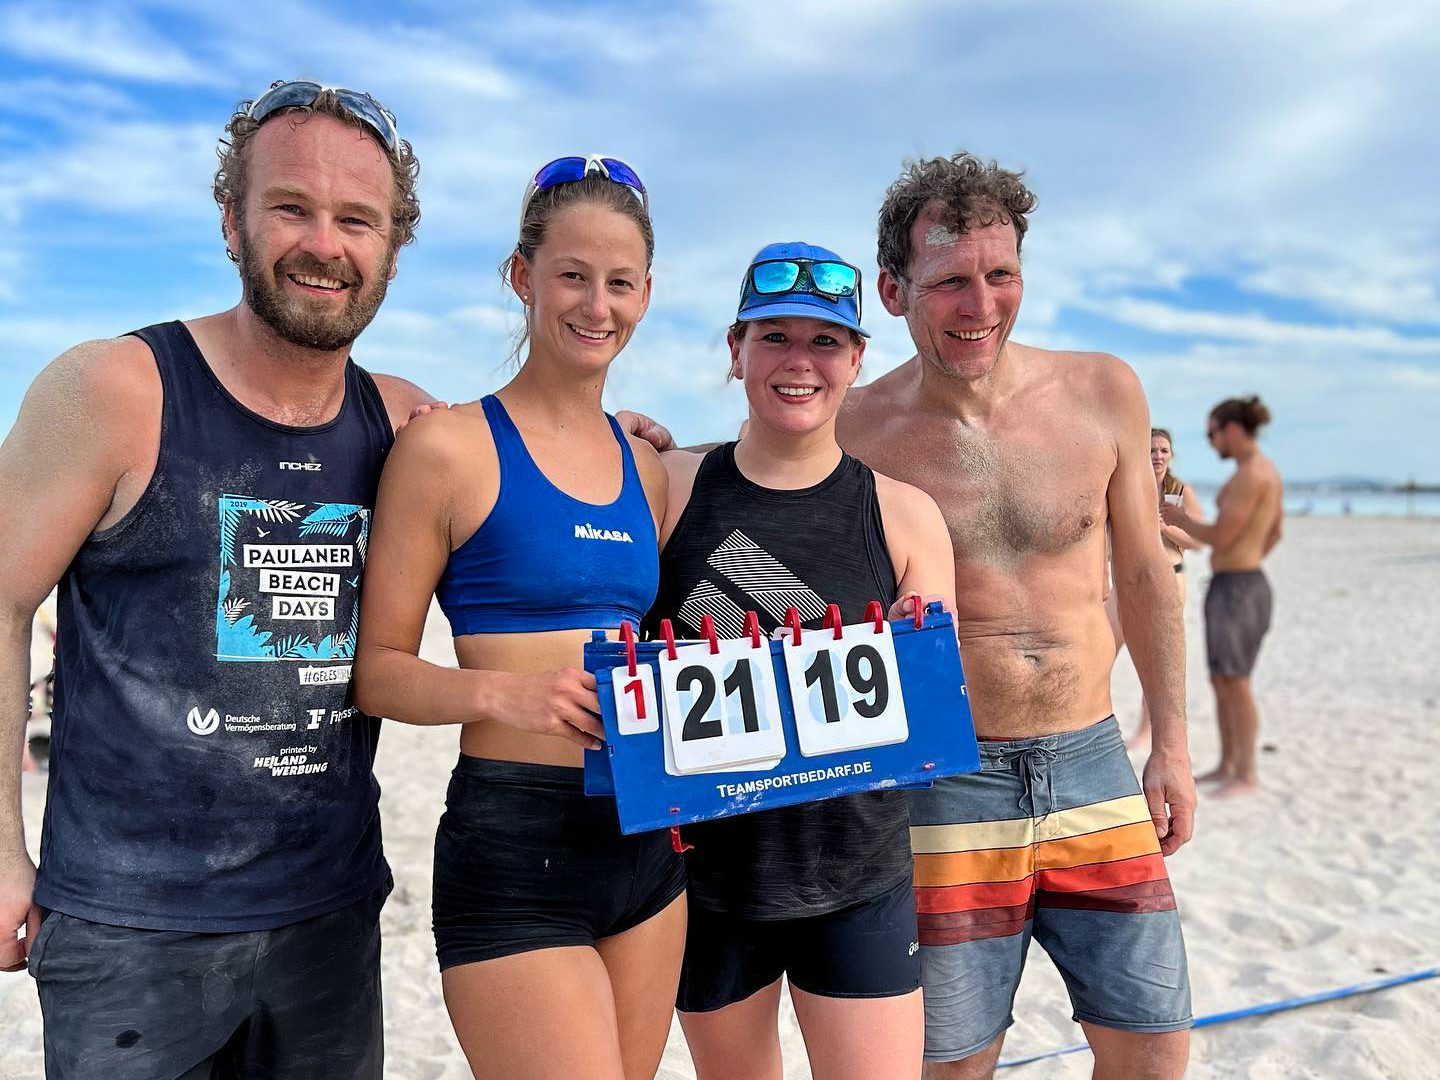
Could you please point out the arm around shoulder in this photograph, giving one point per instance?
(681, 467)
(403, 399)
(653, 477)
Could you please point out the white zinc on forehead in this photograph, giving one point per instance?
(941, 236)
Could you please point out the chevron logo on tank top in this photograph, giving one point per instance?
(763, 580)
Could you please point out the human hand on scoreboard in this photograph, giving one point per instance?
(904, 607)
(560, 702)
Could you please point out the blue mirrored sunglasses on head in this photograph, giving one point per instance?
(827, 278)
(299, 94)
(791, 275)
(567, 170)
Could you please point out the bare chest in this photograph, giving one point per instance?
(1028, 491)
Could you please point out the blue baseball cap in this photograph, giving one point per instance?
(802, 296)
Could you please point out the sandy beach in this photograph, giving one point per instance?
(1327, 878)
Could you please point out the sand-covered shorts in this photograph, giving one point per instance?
(525, 860)
(1051, 839)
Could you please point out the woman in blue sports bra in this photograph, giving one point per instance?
(532, 518)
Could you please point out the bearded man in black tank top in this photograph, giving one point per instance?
(201, 492)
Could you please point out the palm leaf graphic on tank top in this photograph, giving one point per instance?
(234, 607)
(332, 519)
(235, 507)
(300, 647)
(238, 637)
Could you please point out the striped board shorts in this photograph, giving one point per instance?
(1051, 839)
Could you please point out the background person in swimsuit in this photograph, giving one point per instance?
(819, 892)
(1169, 488)
(1247, 527)
(559, 939)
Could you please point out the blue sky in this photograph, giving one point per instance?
(1235, 197)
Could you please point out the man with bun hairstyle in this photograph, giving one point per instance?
(1238, 603)
(210, 880)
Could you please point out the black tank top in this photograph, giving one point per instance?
(206, 771)
(740, 547)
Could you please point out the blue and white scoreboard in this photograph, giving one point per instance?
(705, 729)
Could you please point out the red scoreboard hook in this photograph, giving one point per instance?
(627, 635)
(792, 620)
(668, 633)
(875, 611)
(752, 627)
(707, 631)
(832, 619)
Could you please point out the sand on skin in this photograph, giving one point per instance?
(1326, 877)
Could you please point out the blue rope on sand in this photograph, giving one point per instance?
(1258, 1010)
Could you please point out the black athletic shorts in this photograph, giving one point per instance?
(866, 950)
(525, 860)
(300, 1002)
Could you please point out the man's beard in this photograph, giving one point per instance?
(294, 320)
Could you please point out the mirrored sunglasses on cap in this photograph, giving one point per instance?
(826, 277)
(567, 170)
(300, 94)
(793, 275)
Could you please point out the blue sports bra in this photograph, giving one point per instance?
(544, 560)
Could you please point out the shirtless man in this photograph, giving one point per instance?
(1237, 605)
(201, 491)
(1029, 454)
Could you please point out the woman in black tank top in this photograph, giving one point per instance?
(821, 891)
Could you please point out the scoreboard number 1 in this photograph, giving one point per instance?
(636, 710)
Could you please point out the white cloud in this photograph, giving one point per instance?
(1258, 328)
(1168, 144)
(65, 103)
(145, 168)
(101, 41)
(1363, 415)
